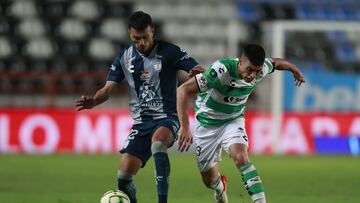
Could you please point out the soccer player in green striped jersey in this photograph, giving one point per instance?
(223, 90)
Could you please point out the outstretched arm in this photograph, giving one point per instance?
(101, 96)
(184, 92)
(282, 64)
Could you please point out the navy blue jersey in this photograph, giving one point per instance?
(152, 80)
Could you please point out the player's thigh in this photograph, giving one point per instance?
(138, 144)
(207, 146)
(166, 130)
(235, 133)
(164, 135)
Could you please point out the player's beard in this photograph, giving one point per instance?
(142, 49)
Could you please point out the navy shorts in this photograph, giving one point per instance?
(138, 142)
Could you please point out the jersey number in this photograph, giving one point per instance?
(198, 151)
(132, 134)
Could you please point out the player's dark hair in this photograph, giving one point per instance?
(255, 53)
(140, 20)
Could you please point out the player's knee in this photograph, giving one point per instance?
(158, 146)
(240, 159)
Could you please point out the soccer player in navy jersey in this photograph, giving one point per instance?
(150, 68)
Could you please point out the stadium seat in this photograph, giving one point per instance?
(5, 48)
(31, 28)
(39, 48)
(22, 9)
(101, 49)
(73, 29)
(114, 29)
(84, 9)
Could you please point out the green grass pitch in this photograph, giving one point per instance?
(84, 178)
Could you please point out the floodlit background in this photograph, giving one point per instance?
(305, 141)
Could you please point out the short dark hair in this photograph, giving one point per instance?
(140, 20)
(255, 53)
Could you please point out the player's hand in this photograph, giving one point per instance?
(196, 70)
(185, 139)
(84, 103)
(298, 77)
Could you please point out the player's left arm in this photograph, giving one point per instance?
(282, 64)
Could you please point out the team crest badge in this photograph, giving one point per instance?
(203, 80)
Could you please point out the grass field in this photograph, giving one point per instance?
(84, 178)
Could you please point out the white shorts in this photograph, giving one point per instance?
(209, 141)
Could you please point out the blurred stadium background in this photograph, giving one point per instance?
(53, 51)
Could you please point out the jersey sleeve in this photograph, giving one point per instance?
(211, 78)
(268, 66)
(185, 61)
(116, 73)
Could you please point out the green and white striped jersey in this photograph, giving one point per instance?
(223, 93)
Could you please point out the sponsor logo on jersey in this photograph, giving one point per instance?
(145, 75)
(234, 100)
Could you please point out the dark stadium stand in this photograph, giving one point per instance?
(59, 46)
(65, 46)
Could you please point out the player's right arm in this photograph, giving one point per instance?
(100, 97)
(184, 92)
(116, 75)
(200, 83)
